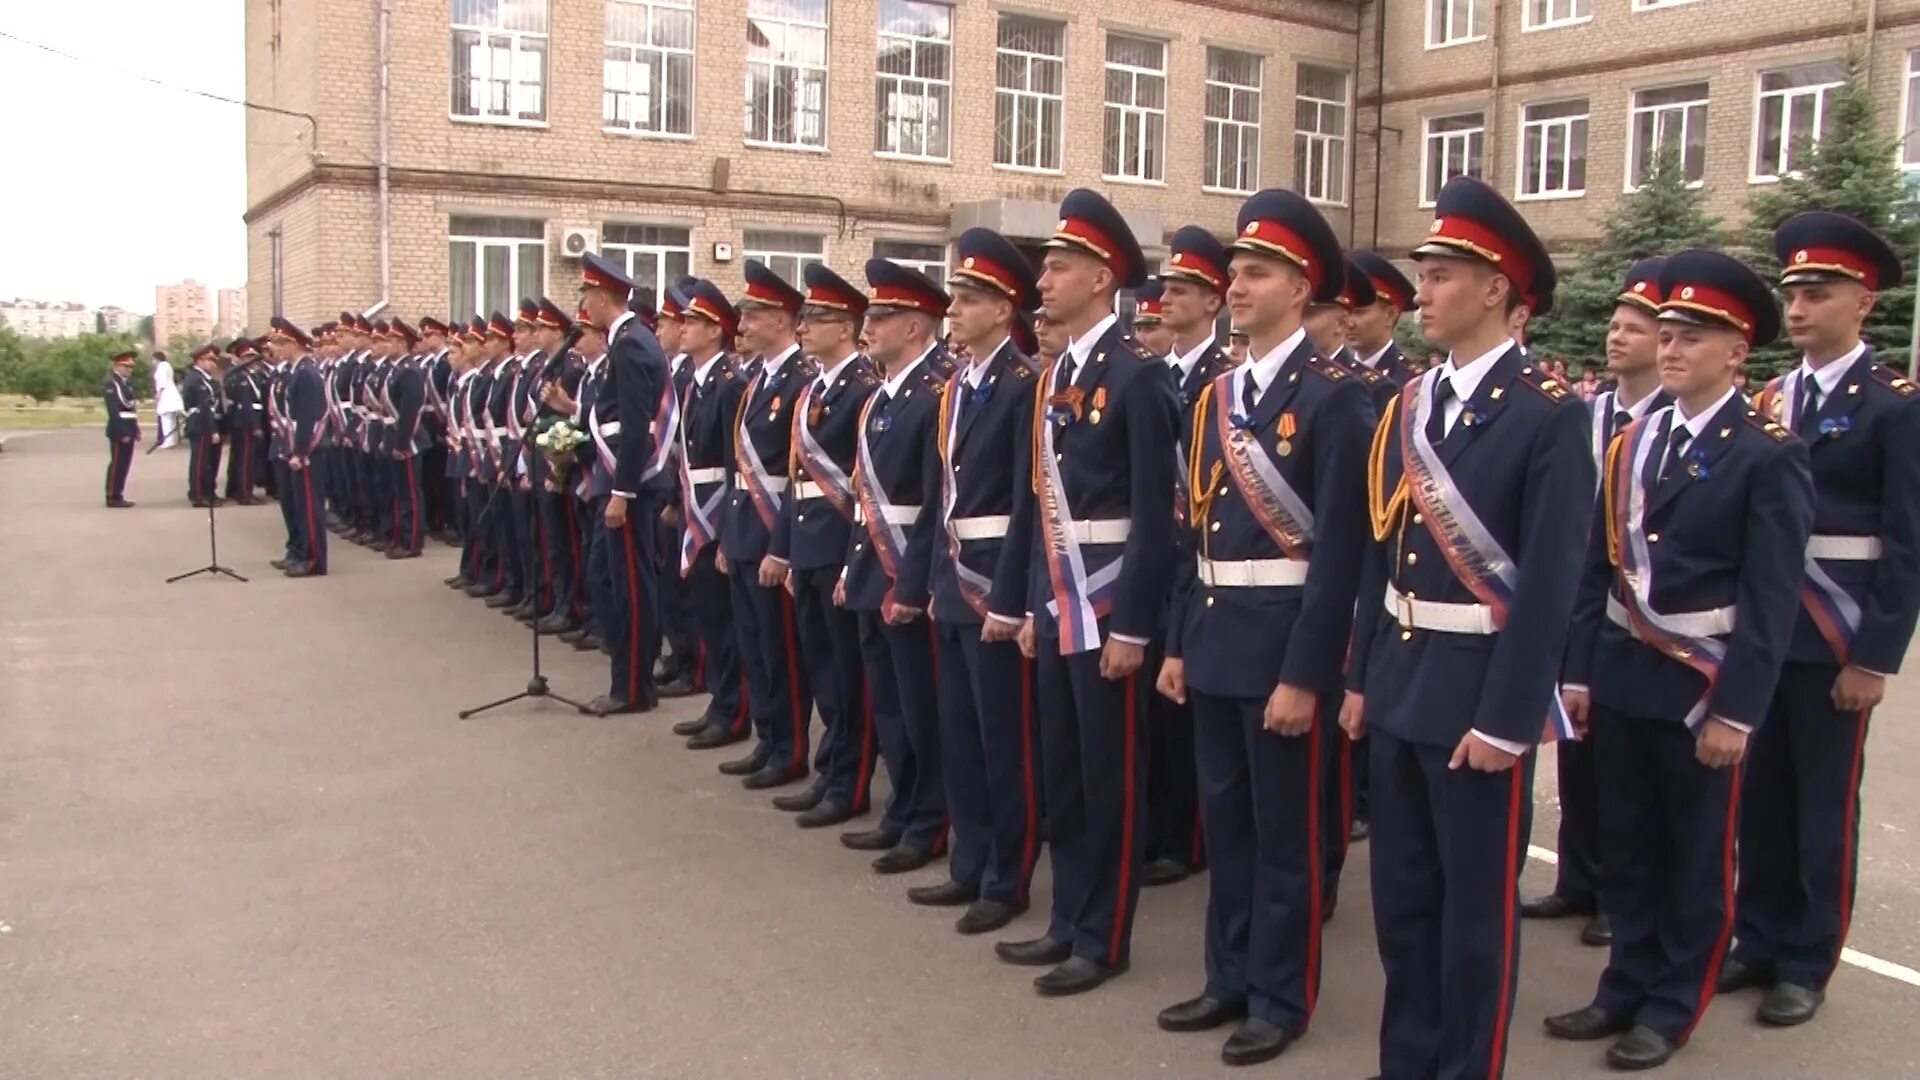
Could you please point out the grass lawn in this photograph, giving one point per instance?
(19, 413)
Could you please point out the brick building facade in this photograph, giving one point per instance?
(888, 126)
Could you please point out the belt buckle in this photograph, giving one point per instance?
(1207, 575)
(1403, 610)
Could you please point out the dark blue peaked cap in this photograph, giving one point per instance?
(1711, 288)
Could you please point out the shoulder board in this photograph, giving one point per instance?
(1330, 370)
(1766, 426)
(1368, 375)
(935, 386)
(1545, 384)
(1133, 346)
(1023, 372)
(1418, 367)
(1894, 381)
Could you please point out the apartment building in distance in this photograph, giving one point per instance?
(230, 313)
(47, 320)
(696, 135)
(181, 311)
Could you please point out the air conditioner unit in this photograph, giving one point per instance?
(577, 240)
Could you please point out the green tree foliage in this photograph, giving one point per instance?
(66, 367)
(1664, 216)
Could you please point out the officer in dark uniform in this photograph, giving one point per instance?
(489, 570)
(436, 370)
(1331, 324)
(592, 481)
(246, 415)
(776, 678)
(1276, 471)
(123, 428)
(990, 739)
(407, 394)
(1099, 512)
(204, 398)
(1699, 582)
(462, 446)
(558, 529)
(1799, 844)
(677, 672)
(1370, 330)
(1483, 460)
(1149, 319)
(812, 537)
(305, 423)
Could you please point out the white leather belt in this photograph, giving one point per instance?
(1717, 622)
(807, 489)
(1844, 548)
(896, 515)
(129, 416)
(1111, 531)
(1447, 618)
(710, 475)
(990, 527)
(607, 430)
(775, 484)
(1253, 573)
(493, 437)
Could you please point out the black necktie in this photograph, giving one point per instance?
(1437, 423)
(1249, 395)
(1809, 404)
(1621, 418)
(1676, 447)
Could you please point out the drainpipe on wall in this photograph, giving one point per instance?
(384, 49)
(1493, 91)
(1379, 108)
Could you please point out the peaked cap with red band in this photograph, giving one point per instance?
(706, 301)
(903, 288)
(596, 272)
(1389, 283)
(828, 290)
(528, 312)
(1281, 224)
(1024, 337)
(284, 329)
(1711, 288)
(1195, 255)
(1820, 245)
(1642, 287)
(552, 317)
(1148, 306)
(1089, 224)
(209, 349)
(399, 328)
(767, 289)
(1357, 291)
(1473, 221)
(430, 325)
(500, 326)
(989, 262)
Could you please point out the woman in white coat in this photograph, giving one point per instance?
(168, 407)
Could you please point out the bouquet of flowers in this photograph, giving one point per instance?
(559, 440)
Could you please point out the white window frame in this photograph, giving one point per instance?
(1135, 117)
(1473, 32)
(1819, 93)
(1631, 182)
(1044, 104)
(913, 87)
(777, 61)
(1342, 143)
(1464, 135)
(1658, 5)
(763, 252)
(1242, 130)
(637, 60)
(935, 270)
(1552, 21)
(1909, 149)
(515, 247)
(492, 38)
(1582, 123)
(631, 255)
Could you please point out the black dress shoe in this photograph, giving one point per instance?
(745, 766)
(1040, 952)
(457, 581)
(555, 624)
(1163, 872)
(870, 840)
(795, 801)
(1737, 975)
(502, 600)
(1358, 831)
(278, 564)
(825, 813)
(1201, 1014)
(678, 688)
(945, 894)
(1551, 906)
(714, 736)
(772, 776)
(901, 860)
(402, 553)
(1641, 1048)
(608, 705)
(692, 725)
(1598, 933)
(479, 590)
(1789, 1004)
(575, 634)
(1076, 975)
(589, 643)
(1586, 1025)
(301, 569)
(1255, 1041)
(985, 915)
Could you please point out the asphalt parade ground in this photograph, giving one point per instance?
(242, 833)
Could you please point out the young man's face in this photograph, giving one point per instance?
(1187, 306)
(1156, 335)
(700, 337)
(1824, 316)
(1696, 360)
(976, 315)
(1456, 296)
(1371, 327)
(668, 332)
(826, 332)
(1327, 325)
(1071, 283)
(1633, 340)
(1263, 291)
(763, 329)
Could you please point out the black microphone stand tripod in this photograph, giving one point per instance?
(213, 553)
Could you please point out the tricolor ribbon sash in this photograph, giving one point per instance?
(748, 466)
(1274, 503)
(697, 516)
(833, 481)
(666, 432)
(1835, 614)
(1079, 600)
(889, 537)
(974, 586)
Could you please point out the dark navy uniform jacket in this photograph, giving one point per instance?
(1864, 444)
(1395, 366)
(1211, 363)
(1589, 611)
(506, 378)
(636, 384)
(245, 410)
(1726, 527)
(994, 421)
(118, 396)
(813, 535)
(306, 397)
(906, 463)
(1240, 641)
(277, 377)
(438, 371)
(707, 423)
(1120, 467)
(407, 389)
(202, 402)
(766, 407)
(479, 399)
(1524, 466)
(1380, 387)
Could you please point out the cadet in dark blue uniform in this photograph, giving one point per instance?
(305, 420)
(1370, 331)
(436, 370)
(896, 485)
(1098, 509)
(813, 535)
(1633, 343)
(484, 504)
(592, 482)
(990, 737)
(1149, 319)
(1276, 471)
(1482, 461)
(677, 674)
(776, 677)
(206, 419)
(407, 393)
(1706, 506)
(555, 382)
(1799, 845)
(246, 416)
(123, 428)
(1193, 287)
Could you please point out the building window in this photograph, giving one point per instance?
(785, 253)
(500, 60)
(1030, 69)
(913, 80)
(649, 67)
(1454, 146)
(1553, 149)
(929, 259)
(1910, 113)
(1136, 109)
(1320, 133)
(1543, 14)
(1233, 121)
(787, 73)
(492, 262)
(1793, 116)
(654, 255)
(1452, 22)
(1670, 118)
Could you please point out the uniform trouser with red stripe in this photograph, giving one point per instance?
(203, 467)
(435, 487)
(1093, 748)
(283, 493)
(1173, 797)
(590, 515)
(476, 559)
(906, 717)
(409, 516)
(1263, 796)
(1446, 853)
(263, 465)
(830, 646)
(523, 528)
(707, 589)
(1336, 811)
(676, 616)
(240, 478)
(1800, 830)
(558, 541)
(778, 694)
(119, 464)
(628, 626)
(1667, 831)
(309, 503)
(990, 756)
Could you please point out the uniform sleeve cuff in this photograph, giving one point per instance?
(625, 494)
(1581, 687)
(1744, 729)
(1129, 639)
(1511, 747)
(1005, 619)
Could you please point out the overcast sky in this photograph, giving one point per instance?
(112, 185)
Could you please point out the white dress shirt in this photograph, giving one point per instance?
(1373, 362)
(1826, 378)
(1080, 348)
(1264, 370)
(1184, 362)
(1465, 380)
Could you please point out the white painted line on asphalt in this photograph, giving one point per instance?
(1896, 972)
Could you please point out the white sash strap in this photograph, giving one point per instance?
(807, 489)
(712, 474)
(1717, 622)
(1414, 614)
(1109, 531)
(1253, 573)
(1844, 548)
(989, 527)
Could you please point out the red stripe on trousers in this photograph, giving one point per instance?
(1125, 879)
(741, 714)
(246, 465)
(863, 779)
(1029, 791)
(799, 756)
(1729, 833)
(1346, 792)
(633, 612)
(541, 540)
(313, 545)
(414, 539)
(1316, 863)
(1510, 887)
(1849, 838)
